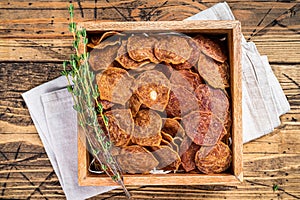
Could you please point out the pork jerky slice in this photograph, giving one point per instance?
(106, 104)
(185, 144)
(147, 128)
(211, 48)
(136, 159)
(215, 101)
(186, 78)
(166, 137)
(120, 126)
(141, 47)
(172, 49)
(164, 68)
(216, 74)
(134, 104)
(203, 128)
(214, 159)
(167, 157)
(192, 61)
(172, 127)
(181, 102)
(114, 85)
(174, 146)
(124, 59)
(153, 88)
(188, 157)
(107, 38)
(102, 58)
(145, 67)
(178, 140)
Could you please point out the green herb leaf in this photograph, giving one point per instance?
(104, 167)
(107, 145)
(64, 73)
(75, 44)
(96, 94)
(81, 57)
(81, 124)
(83, 33)
(70, 88)
(275, 187)
(76, 91)
(115, 178)
(85, 40)
(72, 27)
(77, 108)
(71, 8)
(105, 119)
(65, 63)
(95, 152)
(92, 76)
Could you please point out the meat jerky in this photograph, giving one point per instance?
(142, 52)
(114, 85)
(211, 48)
(120, 126)
(214, 159)
(147, 128)
(152, 88)
(203, 128)
(172, 49)
(136, 159)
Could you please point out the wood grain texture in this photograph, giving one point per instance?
(34, 40)
(24, 22)
(235, 52)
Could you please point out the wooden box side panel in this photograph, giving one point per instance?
(205, 26)
(236, 96)
(164, 179)
(82, 157)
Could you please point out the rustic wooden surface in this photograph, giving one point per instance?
(34, 40)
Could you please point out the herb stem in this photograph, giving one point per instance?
(85, 96)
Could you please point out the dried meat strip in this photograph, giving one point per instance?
(172, 49)
(114, 85)
(136, 159)
(214, 159)
(153, 88)
(204, 128)
(212, 48)
(120, 126)
(142, 52)
(147, 128)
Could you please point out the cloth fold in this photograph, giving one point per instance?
(263, 98)
(48, 104)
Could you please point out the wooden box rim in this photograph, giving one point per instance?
(232, 29)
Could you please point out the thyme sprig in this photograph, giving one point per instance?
(85, 95)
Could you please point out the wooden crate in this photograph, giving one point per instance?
(229, 28)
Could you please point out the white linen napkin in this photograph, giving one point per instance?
(263, 98)
(48, 104)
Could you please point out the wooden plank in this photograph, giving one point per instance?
(272, 25)
(279, 49)
(14, 75)
(35, 34)
(45, 17)
(46, 50)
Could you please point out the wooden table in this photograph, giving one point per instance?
(34, 40)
